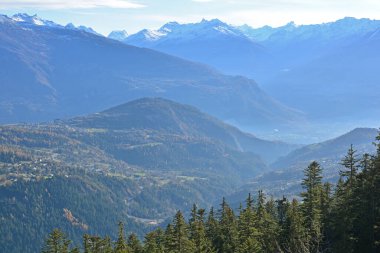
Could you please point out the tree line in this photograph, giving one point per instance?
(341, 218)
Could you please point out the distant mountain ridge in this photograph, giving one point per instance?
(261, 44)
(340, 28)
(57, 72)
(209, 41)
(24, 19)
(310, 67)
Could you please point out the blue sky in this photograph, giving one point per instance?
(134, 15)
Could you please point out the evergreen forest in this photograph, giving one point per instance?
(340, 218)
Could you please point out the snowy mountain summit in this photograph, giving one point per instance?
(181, 32)
(26, 19)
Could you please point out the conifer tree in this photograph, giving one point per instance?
(350, 163)
(340, 236)
(367, 192)
(213, 230)
(312, 183)
(267, 225)
(326, 202)
(229, 237)
(193, 223)
(366, 162)
(297, 239)
(248, 233)
(56, 242)
(198, 232)
(375, 198)
(150, 243)
(170, 239)
(283, 206)
(96, 244)
(121, 245)
(345, 204)
(182, 244)
(154, 242)
(134, 244)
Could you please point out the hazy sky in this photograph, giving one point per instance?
(133, 15)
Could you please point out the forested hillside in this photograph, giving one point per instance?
(339, 218)
(138, 162)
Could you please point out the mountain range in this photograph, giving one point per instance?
(309, 67)
(59, 72)
(336, 61)
(212, 42)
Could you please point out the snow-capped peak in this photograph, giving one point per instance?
(153, 35)
(182, 32)
(32, 20)
(203, 28)
(119, 35)
(224, 30)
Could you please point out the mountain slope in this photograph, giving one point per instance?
(137, 163)
(331, 151)
(59, 72)
(171, 118)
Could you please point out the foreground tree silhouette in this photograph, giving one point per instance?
(134, 244)
(296, 237)
(311, 206)
(56, 242)
(248, 233)
(155, 242)
(96, 244)
(202, 244)
(177, 236)
(121, 245)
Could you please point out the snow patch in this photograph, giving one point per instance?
(153, 35)
(38, 22)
